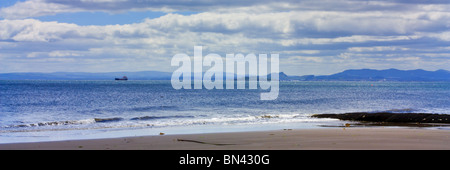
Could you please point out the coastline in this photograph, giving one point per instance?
(354, 138)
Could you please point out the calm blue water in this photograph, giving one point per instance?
(59, 110)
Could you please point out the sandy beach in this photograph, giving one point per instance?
(286, 139)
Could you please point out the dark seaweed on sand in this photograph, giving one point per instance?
(389, 117)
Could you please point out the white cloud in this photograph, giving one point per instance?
(35, 30)
(277, 21)
(377, 48)
(444, 36)
(64, 53)
(404, 59)
(306, 59)
(34, 8)
(351, 33)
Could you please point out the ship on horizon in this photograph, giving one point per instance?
(123, 78)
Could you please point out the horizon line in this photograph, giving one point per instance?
(204, 72)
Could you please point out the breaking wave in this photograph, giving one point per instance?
(54, 123)
(164, 121)
(159, 117)
(93, 120)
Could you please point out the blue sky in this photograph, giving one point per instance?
(311, 36)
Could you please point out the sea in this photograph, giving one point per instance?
(50, 110)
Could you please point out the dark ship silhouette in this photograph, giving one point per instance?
(123, 78)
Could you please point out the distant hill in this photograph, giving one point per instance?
(347, 75)
(388, 75)
(375, 75)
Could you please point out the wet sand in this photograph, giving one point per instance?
(287, 139)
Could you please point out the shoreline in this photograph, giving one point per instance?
(358, 138)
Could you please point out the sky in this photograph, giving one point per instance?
(317, 37)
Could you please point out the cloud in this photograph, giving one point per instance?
(34, 8)
(327, 36)
(377, 48)
(34, 30)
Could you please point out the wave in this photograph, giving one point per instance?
(54, 123)
(93, 120)
(164, 121)
(151, 108)
(103, 120)
(160, 117)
